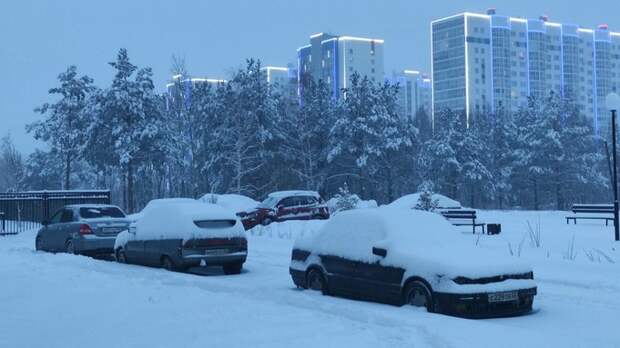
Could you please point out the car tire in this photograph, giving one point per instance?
(169, 265)
(37, 243)
(70, 247)
(233, 268)
(315, 280)
(120, 256)
(417, 294)
(266, 221)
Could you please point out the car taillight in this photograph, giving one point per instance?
(85, 229)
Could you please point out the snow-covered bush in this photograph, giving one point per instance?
(345, 200)
(426, 201)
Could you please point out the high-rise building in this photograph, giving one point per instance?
(283, 78)
(414, 94)
(333, 59)
(484, 62)
(180, 89)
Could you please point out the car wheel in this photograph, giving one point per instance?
(266, 221)
(37, 243)
(417, 294)
(316, 281)
(120, 256)
(233, 268)
(70, 248)
(169, 265)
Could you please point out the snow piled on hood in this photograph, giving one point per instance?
(411, 200)
(424, 244)
(235, 202)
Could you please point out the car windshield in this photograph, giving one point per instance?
(101, 212)
(269, 202)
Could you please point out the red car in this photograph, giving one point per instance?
(286, 205)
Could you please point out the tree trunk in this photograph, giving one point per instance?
(130, 200)
(535, 194)
(67, 183)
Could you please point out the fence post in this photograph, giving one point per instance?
(46, 206)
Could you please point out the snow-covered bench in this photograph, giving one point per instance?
(592, 212)
(463, 217)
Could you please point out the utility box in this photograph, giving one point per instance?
(494, 228)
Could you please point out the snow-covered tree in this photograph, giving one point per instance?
(126, 123)
(11, 165)
(64, 123)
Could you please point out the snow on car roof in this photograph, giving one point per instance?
(413, 238)
(282, 194)
(84, 205)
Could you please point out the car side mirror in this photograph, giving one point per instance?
(379, 251)
(45, 222)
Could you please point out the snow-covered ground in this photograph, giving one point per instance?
(58, 300)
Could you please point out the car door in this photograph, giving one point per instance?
(341, 274)
(63, 231)
(286, 208)
(134, 249)
(307, 207)
(48, 232)
(377, 281)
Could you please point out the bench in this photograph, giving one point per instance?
(592, 210)
(459, 217)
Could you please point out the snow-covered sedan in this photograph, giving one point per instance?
(181, 233)
(411, 257)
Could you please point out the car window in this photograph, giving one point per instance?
(308, 200)
(269, 202)
(288, 202)
(67, 216)
(101, 212)
(56, 218)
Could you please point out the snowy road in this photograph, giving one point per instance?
(49, 300)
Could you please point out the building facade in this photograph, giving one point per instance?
(487, 62)
(414, 94)
(180, 89)
(333, 59)
(284, 79)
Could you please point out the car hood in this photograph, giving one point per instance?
(456, 261)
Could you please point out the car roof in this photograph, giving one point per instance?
(77, 206)
(292, 193)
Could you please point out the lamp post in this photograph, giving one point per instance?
(613, 104)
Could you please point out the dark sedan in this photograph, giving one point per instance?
(82, 229)
(411, 257)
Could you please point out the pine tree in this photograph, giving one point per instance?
(64, 123)
(126, 123)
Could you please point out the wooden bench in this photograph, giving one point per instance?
(593, 209)
(459, 218)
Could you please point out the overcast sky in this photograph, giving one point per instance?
(39, 39)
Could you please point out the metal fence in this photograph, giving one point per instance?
(20, 211)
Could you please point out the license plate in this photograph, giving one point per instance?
(216, 252)
(112, 229)
(506, 296)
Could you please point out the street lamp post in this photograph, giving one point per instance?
(613, 104)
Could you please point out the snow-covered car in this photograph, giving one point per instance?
(412, 257)
(286, 205)
(181, 233)
(89, 229)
